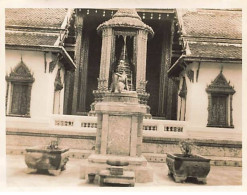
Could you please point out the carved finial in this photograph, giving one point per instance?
(221, 68)
(21, 57)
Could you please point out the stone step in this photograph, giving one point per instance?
(151, 157)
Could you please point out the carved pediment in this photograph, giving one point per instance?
(20, 73)
(220, 85)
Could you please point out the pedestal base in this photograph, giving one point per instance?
(127, 178)
(97, 163)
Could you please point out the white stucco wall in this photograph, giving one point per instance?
(43, 87)
(197, 97)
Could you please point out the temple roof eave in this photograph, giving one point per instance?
(179, 65)
(70, 65)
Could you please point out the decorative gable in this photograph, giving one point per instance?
(21, 73)
(220, 85)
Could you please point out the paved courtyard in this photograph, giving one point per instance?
(17, 179)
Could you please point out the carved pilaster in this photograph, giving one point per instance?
(82, 84)
(78, 61)
(209, 109)
(29, 98)
(231, 109)
(163, 86)
(106, 52)
(141, 54)
(6, 97)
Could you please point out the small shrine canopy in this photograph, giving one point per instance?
(126, 18)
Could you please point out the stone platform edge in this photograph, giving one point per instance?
(92, 136)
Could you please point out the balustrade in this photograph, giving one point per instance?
(158, 127)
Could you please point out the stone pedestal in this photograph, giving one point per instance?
(127, 178)
(119, 136)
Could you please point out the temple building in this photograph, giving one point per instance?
(186, 66)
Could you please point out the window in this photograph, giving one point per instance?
(18, 96)
(220, 103)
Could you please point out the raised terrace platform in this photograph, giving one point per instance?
(79, 134)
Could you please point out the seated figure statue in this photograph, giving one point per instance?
(119, 82)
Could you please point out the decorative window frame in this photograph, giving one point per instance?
(21, 75)
(220, 87)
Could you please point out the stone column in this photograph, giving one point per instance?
(106, 57)
(141, 55)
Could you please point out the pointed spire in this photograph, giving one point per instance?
(130, 13)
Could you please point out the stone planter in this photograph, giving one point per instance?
(40, 158)
(181, 167)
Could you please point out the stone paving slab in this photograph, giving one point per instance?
(18, 179)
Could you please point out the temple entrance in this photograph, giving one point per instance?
(154, 49)
(94, 54)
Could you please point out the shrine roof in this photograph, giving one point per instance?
(126, 18)
(35, 17)
(212, 23)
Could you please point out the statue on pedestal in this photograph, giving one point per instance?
(119, 82)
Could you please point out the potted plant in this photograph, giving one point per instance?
(187, 165)
(51, 158)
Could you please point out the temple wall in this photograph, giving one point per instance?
(42, 93)
(197, 97)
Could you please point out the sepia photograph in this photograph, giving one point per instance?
(123, 97)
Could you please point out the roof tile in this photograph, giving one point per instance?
(213, 23)
(212, 50)
(29, 39)
(36, 17)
